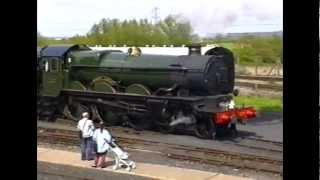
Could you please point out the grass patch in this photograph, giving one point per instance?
(229, 45)
(261, 104)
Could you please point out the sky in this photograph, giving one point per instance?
(66, 18)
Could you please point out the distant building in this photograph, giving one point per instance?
(240, 35)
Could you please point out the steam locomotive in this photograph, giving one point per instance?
(166, 93)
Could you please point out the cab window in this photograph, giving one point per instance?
(54, 65)
(51, 64)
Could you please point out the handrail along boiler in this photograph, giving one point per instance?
(168, 93)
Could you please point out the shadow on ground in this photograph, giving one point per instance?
(267, 118)
(240, 135)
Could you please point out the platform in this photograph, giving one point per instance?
(68, 159)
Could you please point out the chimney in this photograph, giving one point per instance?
(194, 49)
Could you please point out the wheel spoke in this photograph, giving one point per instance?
(74, 111)
(138, 89)
(107, 116)
(95, 113)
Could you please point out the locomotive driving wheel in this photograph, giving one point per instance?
(138, 89)
(139, 122)
(101, 112)
(107, 116)
(73, 109)
(103, 86)
(205, 130)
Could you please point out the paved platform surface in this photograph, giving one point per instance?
(143, 170)
(53, 171)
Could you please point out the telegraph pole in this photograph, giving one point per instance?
(155, 15)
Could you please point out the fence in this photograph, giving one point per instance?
(271, 70)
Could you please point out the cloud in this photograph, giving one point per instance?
(216, 16)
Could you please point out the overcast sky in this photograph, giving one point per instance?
(65, 18)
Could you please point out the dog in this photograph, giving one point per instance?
(121, 157)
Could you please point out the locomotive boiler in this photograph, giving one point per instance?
(155, 74)
(168, 93)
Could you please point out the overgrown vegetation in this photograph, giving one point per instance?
(255, 50)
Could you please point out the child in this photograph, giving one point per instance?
(102, 139)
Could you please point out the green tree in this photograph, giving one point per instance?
(172, 30)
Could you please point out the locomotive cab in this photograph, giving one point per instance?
(39, 75)
(54, 65)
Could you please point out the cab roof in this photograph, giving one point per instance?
(61, 50)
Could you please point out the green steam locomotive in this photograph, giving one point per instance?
(168, 93)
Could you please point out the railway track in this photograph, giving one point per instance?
(257, 86)
(259, 82)
(253, 143)
(265, 156)
(260, 78)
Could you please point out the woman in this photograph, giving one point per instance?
(86, 128)
(102, 138)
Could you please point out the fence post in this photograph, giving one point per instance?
(270, 72)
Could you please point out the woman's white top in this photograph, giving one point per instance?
(86, 126)
(102, 139)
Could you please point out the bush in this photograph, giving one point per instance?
(256, 51)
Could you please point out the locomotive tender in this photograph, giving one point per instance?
(168, 93)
